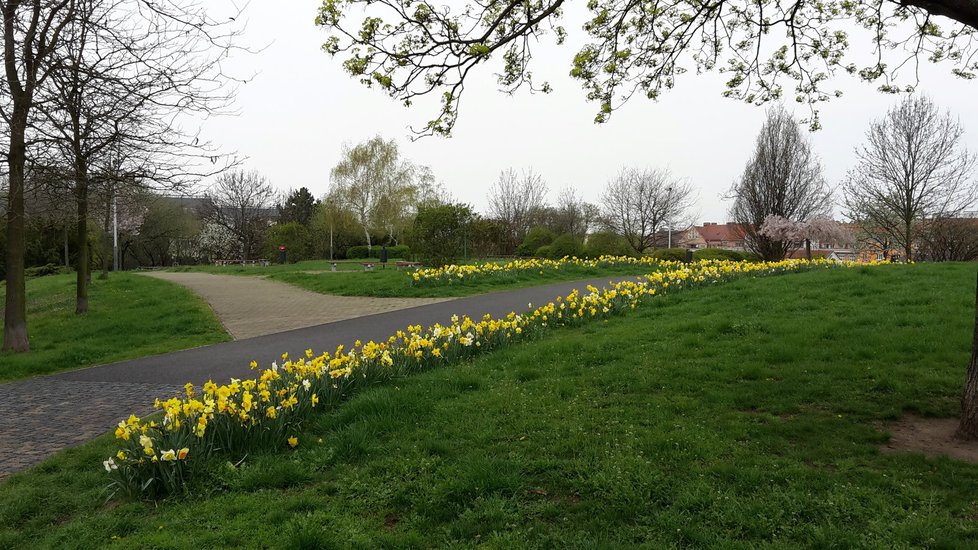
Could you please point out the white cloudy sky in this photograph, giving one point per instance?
(300, 109)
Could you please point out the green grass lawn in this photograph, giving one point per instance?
(351, 280)
(130, 316)
(740, 416)
(390, 282)
(306, 265)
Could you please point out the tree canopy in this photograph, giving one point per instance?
(766, 49)
(783, 178)
(299, 206)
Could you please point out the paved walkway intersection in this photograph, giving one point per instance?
(41, 416)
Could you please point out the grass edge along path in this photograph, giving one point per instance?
(268, 412)
(130, 316)
(457, 280)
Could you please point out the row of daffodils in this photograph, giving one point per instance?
(458, 274)
(267, 411)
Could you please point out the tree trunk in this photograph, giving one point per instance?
(15, 307)
(82, 276)
(67, 261)
(808, 249)
(908, 244)
(968, 426)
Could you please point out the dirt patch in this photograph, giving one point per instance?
(929, 436)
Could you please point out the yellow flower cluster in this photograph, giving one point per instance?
(453, 274)
(267, 411)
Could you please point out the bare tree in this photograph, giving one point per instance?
(31, 32)
(949, 240)
(641, 204)
(513, 199)
(122, 74)
(243, 203)
(782, 178)
(92, 65)
(573, 214)
(913, 167)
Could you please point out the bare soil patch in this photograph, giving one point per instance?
(929, 436)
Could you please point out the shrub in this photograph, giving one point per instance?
(719, 254)
(607, 243)
(357, 252)
(44, 270)
(400, 251)
(543, 251)
(439, 233)
(670, 254)
(294, 237)
(535, 238)
(566, 245)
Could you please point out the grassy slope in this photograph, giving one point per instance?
(351, 280)
(390, 283)
(738, 416)
(130, 316)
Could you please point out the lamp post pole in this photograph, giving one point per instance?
(669, 207)
(115, 234)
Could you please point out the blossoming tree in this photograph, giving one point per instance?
(817, 229)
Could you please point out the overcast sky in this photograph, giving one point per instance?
(300, 108)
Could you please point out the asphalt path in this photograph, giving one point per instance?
(219, 362)
(44, 415)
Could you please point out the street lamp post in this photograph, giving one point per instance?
(669, 207)
(115, 235)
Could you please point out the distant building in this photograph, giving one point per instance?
(841, 254)
(729, 236)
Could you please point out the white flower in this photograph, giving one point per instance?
(306, 384)
(110, 465)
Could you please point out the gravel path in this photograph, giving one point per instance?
(253, 306)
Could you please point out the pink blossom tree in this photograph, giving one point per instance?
(815, 229)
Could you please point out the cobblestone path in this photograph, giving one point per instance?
(42, 416)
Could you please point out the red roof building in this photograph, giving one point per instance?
(730, 236)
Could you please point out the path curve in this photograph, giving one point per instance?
(254, 306)
(41, 416)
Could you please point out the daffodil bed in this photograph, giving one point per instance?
(468, 273)
(268, 411)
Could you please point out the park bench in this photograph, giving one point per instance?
(399, 265)
(263, 262)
